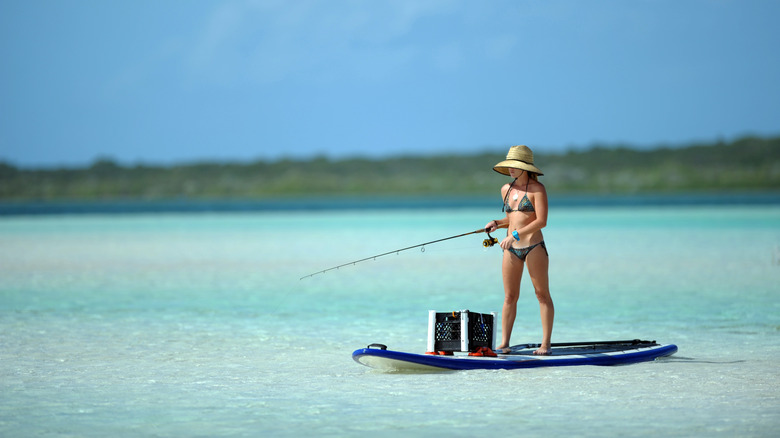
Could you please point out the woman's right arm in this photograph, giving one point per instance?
(499, 223)
(496, 224)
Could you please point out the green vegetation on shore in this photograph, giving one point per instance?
(747, 164)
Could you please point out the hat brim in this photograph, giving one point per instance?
(504, 166)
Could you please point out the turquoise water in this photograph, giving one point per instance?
(193, 324)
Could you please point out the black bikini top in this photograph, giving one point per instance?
(524, 205)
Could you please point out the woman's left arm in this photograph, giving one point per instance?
(540, 207)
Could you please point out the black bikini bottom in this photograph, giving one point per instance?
(522, 253)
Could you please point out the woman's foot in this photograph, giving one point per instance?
(543, 351)
(502, 350)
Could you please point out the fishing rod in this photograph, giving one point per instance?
(490, 241)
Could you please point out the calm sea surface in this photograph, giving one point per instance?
(197, 323)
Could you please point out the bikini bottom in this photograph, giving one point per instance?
(522, 253)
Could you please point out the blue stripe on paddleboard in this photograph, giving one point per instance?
(517, 361)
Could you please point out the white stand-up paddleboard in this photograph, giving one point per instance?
(464, 340)
(520, 356)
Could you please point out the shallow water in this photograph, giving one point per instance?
(198, 325)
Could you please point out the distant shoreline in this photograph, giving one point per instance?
(749, 164)
(125, 207)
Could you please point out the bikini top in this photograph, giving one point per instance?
(524, 205)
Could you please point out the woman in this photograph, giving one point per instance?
(525, 204)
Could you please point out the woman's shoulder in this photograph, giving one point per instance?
(536, 187)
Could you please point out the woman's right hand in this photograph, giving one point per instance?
(507, 243)
(491, 226)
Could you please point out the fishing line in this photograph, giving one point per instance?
(490, 241)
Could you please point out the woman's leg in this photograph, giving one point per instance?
(538, 264)
(512, 272)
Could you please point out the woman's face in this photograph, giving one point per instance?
(515, 173)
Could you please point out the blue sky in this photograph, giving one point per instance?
(171, 81)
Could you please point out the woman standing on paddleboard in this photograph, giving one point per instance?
(525, 204)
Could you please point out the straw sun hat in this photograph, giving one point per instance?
(519, 157)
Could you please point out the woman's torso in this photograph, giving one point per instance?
(520, 208)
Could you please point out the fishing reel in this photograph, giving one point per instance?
(490, 241)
